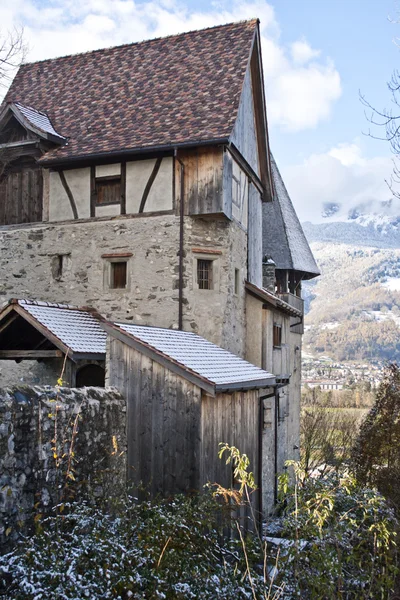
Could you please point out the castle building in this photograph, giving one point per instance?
(138, 181)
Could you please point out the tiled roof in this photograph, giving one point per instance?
(174, 90)
(76, 328)
(221, 368)
(38, 119)
(283, 237)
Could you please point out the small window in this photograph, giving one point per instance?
(57, 266)
(237, 281)
(204, 274)
(118, 275)
(236, 189)
(277, 336)
(108, 190)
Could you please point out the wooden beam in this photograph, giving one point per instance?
(69, 194)
(9, 321)
(42, 329)
(29, 354)
(92, 191)
(123, 188)
(149, 184)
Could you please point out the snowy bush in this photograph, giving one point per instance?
(165, 549)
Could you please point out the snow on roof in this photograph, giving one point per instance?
(38, 119)
(76, 328)
(283, 236)
(194, 353)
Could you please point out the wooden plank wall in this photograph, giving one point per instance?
(21, 193)
(203, 193)
(254, 244)
(163, 422)
(244, 135)
(231, 418)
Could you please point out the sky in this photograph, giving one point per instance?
(318, 56)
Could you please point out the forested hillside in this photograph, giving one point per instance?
(353, 308)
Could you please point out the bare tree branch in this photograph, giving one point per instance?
(13, 50)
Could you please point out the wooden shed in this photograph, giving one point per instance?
(184, 396)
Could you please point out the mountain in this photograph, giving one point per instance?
(378, 231)
(353, 307)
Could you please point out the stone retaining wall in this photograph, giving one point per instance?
(55, 443)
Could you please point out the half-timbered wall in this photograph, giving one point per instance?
(141, 186)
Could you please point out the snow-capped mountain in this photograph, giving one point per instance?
(358, 229)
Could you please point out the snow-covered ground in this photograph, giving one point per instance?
(392, 284)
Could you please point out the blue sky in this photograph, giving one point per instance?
(317, 55)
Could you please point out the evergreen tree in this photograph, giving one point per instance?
(376, 455)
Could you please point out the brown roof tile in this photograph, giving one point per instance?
(173, 90)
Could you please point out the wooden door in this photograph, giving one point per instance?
(21, 192)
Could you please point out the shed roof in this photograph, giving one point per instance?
(67, 327)
(216, 369)
(283, 237)
(156, 93)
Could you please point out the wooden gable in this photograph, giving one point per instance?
(250, 133)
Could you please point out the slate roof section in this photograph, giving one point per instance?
(222, 369)
(283, 237)
(181, 89)
(39, 120)
(76, 328)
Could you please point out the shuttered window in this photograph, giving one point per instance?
(205, 274)
(118, 274)
(108, 190)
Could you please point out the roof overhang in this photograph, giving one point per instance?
(8, 316)
(271, 300)
(124, 153)
(11, 109)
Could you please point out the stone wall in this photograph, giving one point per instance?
(42, 462)
(28, 253)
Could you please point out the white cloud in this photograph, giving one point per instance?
(302, 52)
(301, 87)
(341, 176)
(347, 154)
(300, 98)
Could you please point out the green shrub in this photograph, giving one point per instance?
(343, 539)
(166, 549)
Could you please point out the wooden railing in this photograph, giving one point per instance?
(296, 302)
(293, 300)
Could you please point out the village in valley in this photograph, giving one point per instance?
(199, 387)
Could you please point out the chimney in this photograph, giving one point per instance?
(268, 272)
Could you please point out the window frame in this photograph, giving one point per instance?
(277, 327)
(105, 179)
(213, 255)
(210, 272)
(110, 260)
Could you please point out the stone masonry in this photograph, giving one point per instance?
(44, 461)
